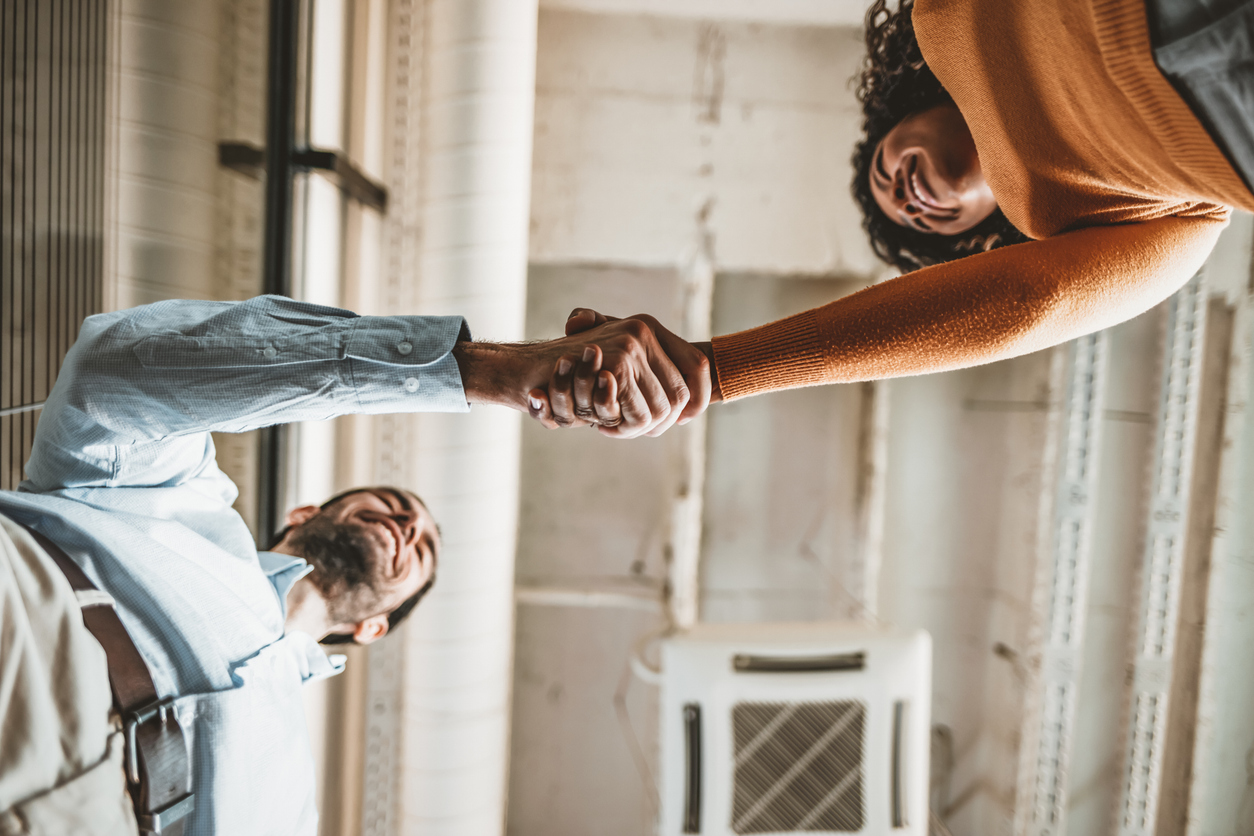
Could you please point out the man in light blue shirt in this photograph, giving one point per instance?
(122, 477)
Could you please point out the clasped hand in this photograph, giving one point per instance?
(627, 377)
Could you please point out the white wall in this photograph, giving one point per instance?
(1222, 789)
(963, 482)
(640, 121)
(782, 504)
(592, 516)
(796, 12)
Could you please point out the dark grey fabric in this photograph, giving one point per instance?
(1205, 48)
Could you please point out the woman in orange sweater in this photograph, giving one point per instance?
(1033, 170)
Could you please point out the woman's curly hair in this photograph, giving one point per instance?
(895, 82)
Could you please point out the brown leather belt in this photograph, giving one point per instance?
(158, 771)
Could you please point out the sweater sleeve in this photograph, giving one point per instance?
(980, 309)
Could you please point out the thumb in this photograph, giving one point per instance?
(583, 319)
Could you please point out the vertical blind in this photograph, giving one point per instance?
(52, 167)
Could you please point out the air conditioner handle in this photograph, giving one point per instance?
(823, 663)
(692, 782)
(901, 713)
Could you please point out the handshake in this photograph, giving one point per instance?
(627, 377)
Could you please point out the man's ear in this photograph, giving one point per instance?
(301, 515)
(371, 629)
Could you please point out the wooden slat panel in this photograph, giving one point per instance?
(52, 111)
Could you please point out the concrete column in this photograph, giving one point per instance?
(478, 97)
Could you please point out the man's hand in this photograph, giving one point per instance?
(569, 396)
(627, 384)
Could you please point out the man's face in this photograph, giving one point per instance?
(385, 551)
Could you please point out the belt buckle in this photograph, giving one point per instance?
(160, 820)
(157, 820)
(132, 722)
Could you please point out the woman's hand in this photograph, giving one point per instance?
(647, 393)
(596, 385)
(575, 396)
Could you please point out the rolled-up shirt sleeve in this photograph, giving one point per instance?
(141, 389)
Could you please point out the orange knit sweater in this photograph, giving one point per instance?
(1087, 148)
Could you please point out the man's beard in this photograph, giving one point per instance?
(342, 567)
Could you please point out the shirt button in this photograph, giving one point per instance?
(270, 353)
(405, 347)
(411, 384)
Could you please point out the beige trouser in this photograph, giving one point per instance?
(60, 752)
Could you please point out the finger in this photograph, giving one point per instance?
(538, 408)
(673, 389)
(585, 381)
(605, 401)
(561, 402)
(677, 394)
(582, 319)
(697, 374)
(679, 400)
(634, 410)
(691, 362)
(655, 397)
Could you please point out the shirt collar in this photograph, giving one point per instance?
(283, 571)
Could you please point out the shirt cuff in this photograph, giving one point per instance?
(406, 363)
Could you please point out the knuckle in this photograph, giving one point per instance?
(635, 328)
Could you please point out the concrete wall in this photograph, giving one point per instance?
(640, 121)
(641, 125)
(964, 478)
(592, 515)
(1220, 794)
(782, 505)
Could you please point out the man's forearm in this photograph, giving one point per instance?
(500, 373)
(162, 373)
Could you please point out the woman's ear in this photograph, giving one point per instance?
(371, 629)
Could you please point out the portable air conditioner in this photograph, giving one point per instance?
(795, 728)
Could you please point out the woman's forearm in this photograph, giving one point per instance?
(980, 309)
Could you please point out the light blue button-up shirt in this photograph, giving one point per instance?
(122, 476)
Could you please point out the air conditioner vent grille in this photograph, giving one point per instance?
(798, 767)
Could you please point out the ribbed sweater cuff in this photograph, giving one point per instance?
(782, 355)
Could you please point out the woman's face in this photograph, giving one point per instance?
(926, 174)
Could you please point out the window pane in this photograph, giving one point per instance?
(327, 73)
